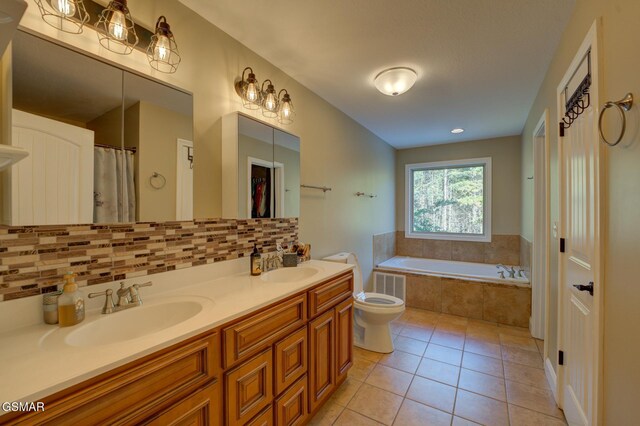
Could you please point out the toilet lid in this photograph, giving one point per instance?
(378, 299)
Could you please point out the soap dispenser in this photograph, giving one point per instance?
(256, 268)
(70, 302)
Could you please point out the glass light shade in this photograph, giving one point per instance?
(116, 29)
(249, 90)
(395, 81)
(286, 112)
(66, 15)
(118, 26)
(269, 100)
(163, 52)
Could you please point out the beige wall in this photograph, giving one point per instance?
(108, 128)
(505, 164)
(621, 292)
(335, 150)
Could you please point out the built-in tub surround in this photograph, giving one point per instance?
(526, 255)
(33, 259)
(465, 289)
(384, 247)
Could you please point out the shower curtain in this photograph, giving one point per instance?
(113, 186)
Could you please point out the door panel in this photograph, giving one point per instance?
(322, 358)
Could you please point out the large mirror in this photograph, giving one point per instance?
(261, 169)
(105, 145)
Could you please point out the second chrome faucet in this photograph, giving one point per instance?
(128, 297)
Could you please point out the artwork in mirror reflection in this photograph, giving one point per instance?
(105, 145)
(268, 171)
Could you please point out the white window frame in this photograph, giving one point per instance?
(408, 204)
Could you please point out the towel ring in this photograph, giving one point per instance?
(622, 106)
(159, 176)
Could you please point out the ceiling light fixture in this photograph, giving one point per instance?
(249, 90)
(270, 100)
(457, 131)
(285, 111)
(66, 15)
(116, 29)
(395, 81)
(163, 50)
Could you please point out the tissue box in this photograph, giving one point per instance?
(290, 260)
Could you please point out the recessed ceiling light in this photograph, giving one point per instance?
(456, 131)
(395, 81)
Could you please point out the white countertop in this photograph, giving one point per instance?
(31, 368)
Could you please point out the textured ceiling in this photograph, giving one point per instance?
(480, 62)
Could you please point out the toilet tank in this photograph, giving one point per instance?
(350, 259)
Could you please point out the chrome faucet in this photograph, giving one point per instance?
(128, 297)
(511, 272)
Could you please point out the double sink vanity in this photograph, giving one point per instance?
(232, 350)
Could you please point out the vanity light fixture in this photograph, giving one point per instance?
(66, 15)
(457, 131)
(270, 100)
(116, 29)
(163, 50)
(249, 90)
(285, 110)
(395, 81)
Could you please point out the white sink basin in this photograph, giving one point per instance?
(288, 275)
(126, 325)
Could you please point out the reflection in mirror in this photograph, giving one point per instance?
(255, 169)
(286, 160)
(67, 109)
(158, 127)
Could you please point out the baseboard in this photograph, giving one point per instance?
(552, 379)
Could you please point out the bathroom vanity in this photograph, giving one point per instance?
(267, 353)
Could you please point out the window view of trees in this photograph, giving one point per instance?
(449, 200)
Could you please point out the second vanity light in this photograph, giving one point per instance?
(254, 97)
(116, 29)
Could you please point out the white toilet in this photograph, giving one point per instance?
(373, 311)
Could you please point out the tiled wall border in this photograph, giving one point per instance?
(34, 258)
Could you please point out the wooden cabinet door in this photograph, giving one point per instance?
(322, 377)
(203, 408)
(249, 388)
(344, 338)
(291, 407)
(263, 419)
(291, 359)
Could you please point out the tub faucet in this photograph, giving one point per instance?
(511, 272)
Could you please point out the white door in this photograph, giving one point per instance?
(579, 264)
(54, 184)
(184, 184)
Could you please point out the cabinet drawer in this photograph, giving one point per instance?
(203, 408)
(249, 388)
(263, 419)
(291, 359)
(291, 407)
(259, 330)
(330, 294)
(135, 391)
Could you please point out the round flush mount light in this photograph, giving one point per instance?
(395, 81)
(457, 131)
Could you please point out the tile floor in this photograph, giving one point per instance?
(446, 370)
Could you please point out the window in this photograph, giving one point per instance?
(449, 200)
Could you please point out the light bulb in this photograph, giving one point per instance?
(118, 26)
(64, 7)
(252, 92)
(162, 48)
(286, 110)
(270, 102)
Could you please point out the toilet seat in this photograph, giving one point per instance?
(378, 302)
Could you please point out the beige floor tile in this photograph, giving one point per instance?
(417, 332)
(439, 371)
(483, 364)
(515, 331)
(536, 399)
(453, 319)
(540, 345)
(361, 369)
(346, 391)
(422, 316)
(451, 327)
(351, 418)
(527, 375)
(396, 327)
(521, 356)
(415, 414)
(365, 354)
(483, 384)
(482, 348)
(327, 415)
(519, 342)
(412, 346)
(390, 379)
(484, 335)
(523, 417)
(434, 394)
(401, 361)
(376, 403)
(481, 409)
(459, 421)
(443, 354)
(478, 324)
(449, 339)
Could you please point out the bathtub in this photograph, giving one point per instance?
(467, 271)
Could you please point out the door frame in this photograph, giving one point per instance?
(591, 42)
(180, 145)
(539, 323)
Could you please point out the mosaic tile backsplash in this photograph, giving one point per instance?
(33, 259)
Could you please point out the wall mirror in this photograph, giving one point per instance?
(105, 145)
(261, 169)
